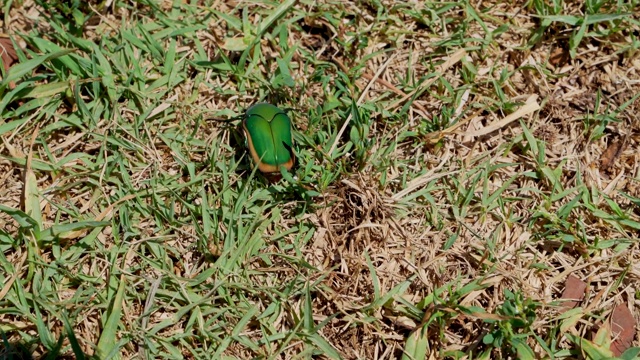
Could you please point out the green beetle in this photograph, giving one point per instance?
(269, 138)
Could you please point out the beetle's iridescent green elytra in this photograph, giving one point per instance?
(269, 138)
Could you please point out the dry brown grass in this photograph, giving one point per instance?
(414, 219)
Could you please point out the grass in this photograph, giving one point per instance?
(450, 179)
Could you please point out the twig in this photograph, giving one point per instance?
(380, 81)
(529, 107)
(455, 58)
(364, 93)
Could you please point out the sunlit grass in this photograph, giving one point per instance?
(133, 224)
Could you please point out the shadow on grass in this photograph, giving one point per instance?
(15, 351)
(23, 350)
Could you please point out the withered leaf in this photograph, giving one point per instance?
(573, 290)
(613, 151)
(8, 52)
(623, 329)
(559, 56)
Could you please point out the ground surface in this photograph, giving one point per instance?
(458, 162)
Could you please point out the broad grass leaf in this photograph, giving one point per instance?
(108, 339)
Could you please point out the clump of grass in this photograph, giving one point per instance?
(422, 219)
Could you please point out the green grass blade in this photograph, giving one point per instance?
(108, 338)
(28, 66)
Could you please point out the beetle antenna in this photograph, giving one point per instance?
(223, 120)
